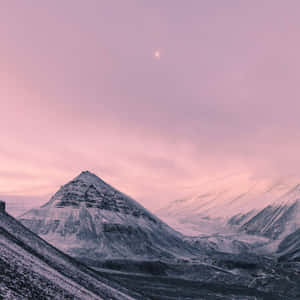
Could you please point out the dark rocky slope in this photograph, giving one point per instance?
(30, 268)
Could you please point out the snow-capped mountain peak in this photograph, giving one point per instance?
(89, 191)
(90, 178)
(88, 217)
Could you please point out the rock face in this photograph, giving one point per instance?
(2, 206)
(88, 218)
(30, 268)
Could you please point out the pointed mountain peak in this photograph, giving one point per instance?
(87, 190)
(87, 172)
(86, 175)
(89, 178)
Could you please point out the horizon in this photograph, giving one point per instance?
(155, 98)
(234, 185)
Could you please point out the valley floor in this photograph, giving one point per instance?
(171, 288)
(242, 281)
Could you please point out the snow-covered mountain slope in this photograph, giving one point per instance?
(234, 200)
(30, 268)
(277, 220)
(289, 248)
(274, 221)
(88, 218)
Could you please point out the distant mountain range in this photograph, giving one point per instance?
(89, 219)
(227, 214)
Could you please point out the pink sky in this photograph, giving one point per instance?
(80, 89)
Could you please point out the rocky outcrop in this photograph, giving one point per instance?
(2, 206)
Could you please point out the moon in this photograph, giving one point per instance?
(157, 54)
